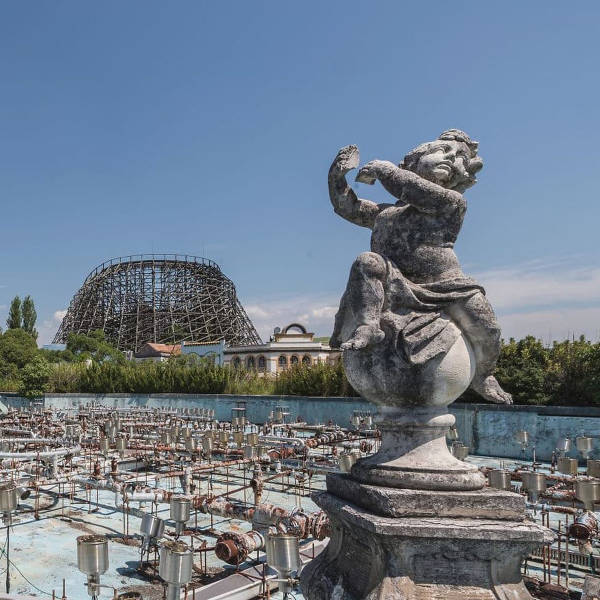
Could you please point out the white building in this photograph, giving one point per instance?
(213, 351)
(287, 347)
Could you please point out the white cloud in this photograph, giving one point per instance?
(536, 284)
(315, 312)
(257, 312)
(323, 312)
(49, 327)
(553, 324)
(59, 315)
(550, 300)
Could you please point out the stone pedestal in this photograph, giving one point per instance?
(421, 545)
(414, 453)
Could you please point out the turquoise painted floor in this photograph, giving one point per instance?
(43, 552)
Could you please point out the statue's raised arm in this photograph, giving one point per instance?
(343, 198)
(410, 188)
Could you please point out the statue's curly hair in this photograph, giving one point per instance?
(475, 163)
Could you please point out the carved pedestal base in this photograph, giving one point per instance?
(370, 557)
(414, 453)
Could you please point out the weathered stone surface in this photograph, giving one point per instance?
(415, 330)
(591, 587)
(428, 558)
(410, 291)
(414, 454)
(412, 522)
(393, 502)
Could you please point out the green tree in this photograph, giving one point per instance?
(574, 372)
(93, 345)
(17, 348)
(14, 320)
(29, 317)
(522, 370)
(322, 379)
(34, 378)
(57, 356)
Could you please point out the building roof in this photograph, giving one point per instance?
(153, 349)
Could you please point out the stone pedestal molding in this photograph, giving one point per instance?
(414, 453)
(370, 557)
(393, 502)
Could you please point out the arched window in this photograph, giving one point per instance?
(282, 362)
(294, 360)
(306, 360)
(262, 363)
(237, 363)
(250, 364)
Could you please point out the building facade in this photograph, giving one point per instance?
(288, 347)
(212, 351)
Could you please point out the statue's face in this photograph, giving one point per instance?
(446, 164)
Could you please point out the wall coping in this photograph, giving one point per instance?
(191, 396)
(562, 411)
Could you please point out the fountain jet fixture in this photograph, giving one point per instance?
(567, 466)
(593, 468)
(283, 555)
(151, 528)
(499, 479)
(534, 483)
(563, 446)
(175, 568)
(584, 445)
(522, 438)
(92, 560)
(180, 512)
(588, 492)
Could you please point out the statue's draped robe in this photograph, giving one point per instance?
(412, 314)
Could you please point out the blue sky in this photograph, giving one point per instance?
(208, 129)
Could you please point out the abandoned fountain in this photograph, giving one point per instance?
(412, 521)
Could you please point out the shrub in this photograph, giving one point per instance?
(34, 378)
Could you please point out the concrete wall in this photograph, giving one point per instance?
(488, 429)
(313, 410)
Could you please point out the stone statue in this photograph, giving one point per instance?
(416, 332)
(412, 522)
(410, 287)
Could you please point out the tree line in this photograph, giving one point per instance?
(22, 315)
(565, 373)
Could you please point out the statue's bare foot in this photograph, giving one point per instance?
(490, 389)
(364, 336)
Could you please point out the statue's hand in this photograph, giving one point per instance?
(344, 200)
(346, 160)
(373, 170)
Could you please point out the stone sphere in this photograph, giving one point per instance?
(382, 375)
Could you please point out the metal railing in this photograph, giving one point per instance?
(575, 558)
